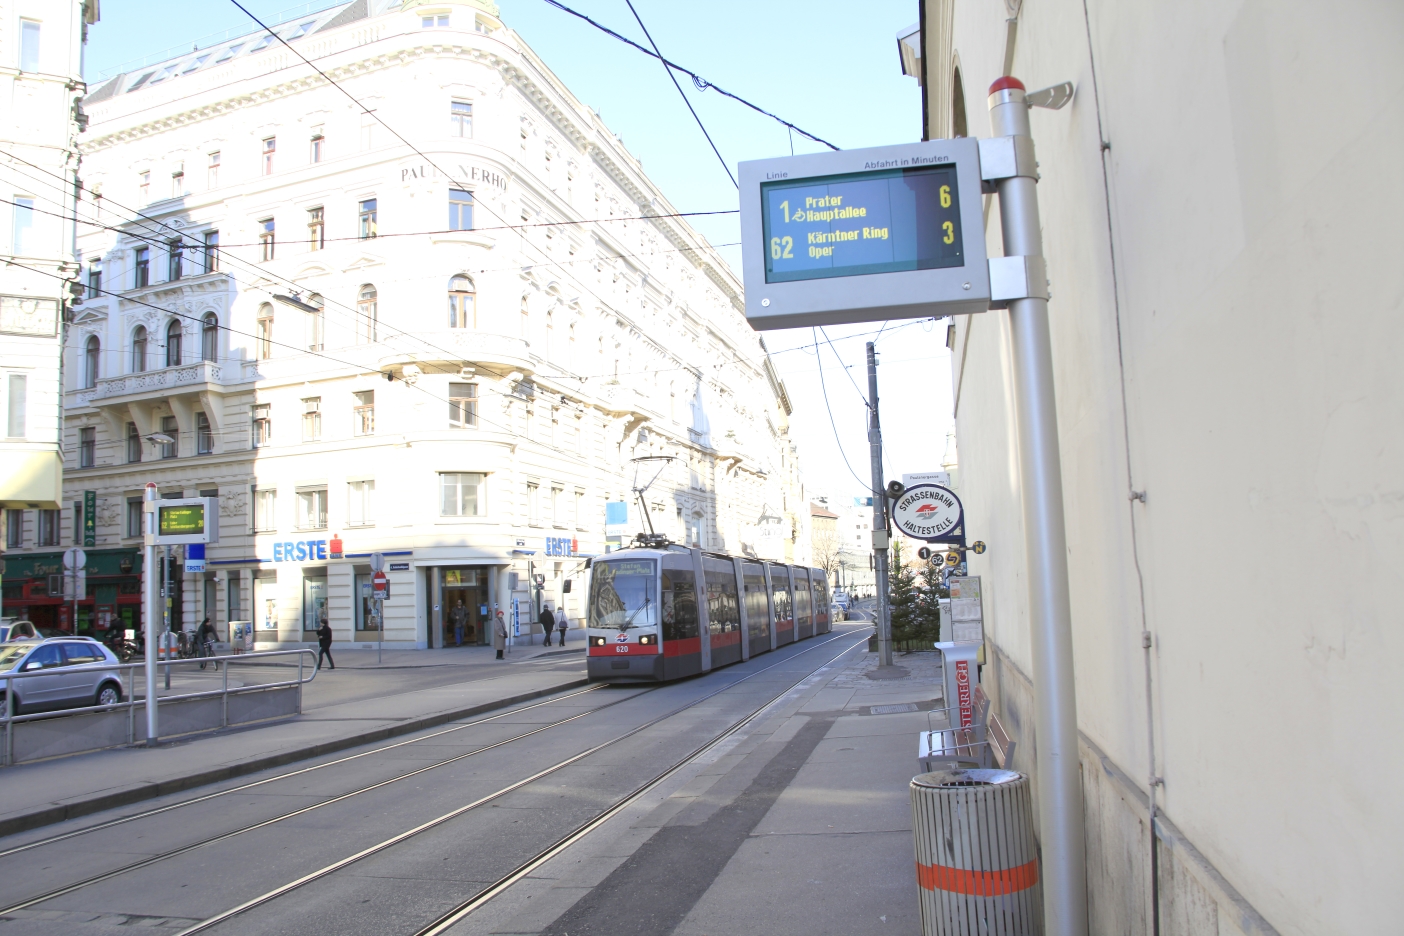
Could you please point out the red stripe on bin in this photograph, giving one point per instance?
(979, 883)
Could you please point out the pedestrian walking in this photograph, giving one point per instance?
(499, 635)
(547, 620)
(561, 625)
(459, 616)
(324, 639)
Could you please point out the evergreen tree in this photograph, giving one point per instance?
(929, 594)
(902, 597)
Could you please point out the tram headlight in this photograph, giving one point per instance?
(647, 639)
(597, 641)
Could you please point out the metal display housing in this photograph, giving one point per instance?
(955, 290)
(210, 534)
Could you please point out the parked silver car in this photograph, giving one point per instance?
(76, 671)
(18, 630)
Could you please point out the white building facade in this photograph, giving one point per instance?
(448, 353)
(41, 66)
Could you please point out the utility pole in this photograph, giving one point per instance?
(880, 532)
(149, 612)
(1045, 537)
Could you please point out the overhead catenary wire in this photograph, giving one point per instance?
(829, 409)
(674, 79)
(701, 83)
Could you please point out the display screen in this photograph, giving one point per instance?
(887, 221)
(182, 520)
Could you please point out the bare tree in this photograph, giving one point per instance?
(826, 547)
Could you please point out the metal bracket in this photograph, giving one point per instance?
(1006, 157)
(1052, 98)
(1013, 278)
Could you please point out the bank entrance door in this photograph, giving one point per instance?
(463, 594)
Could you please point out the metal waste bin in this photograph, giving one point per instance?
(976, 862)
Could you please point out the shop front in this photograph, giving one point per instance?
(462, 606)
(33, 590)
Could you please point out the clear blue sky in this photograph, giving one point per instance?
(829, 67)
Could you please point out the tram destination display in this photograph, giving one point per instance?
(187, 520)
(864, 235)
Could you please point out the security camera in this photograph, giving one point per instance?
(895, 489)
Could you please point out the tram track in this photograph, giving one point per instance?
(225, 836)
(462, 910)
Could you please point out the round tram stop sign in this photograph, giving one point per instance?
(929, 512)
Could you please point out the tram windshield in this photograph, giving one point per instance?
(624, 593)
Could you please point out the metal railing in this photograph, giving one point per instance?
(130, 677)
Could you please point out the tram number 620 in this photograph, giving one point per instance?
(621, 648)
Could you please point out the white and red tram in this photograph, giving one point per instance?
(675, 611)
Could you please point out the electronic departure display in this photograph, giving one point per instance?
(185, 519)
(864, 235)
(860, 223)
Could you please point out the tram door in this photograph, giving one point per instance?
(823, 621)
(723, 611)
(784, 612)
(757, 607)
(682, 636)
(804, 599)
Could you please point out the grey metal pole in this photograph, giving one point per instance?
(149, 572)
(1045, 539)
(880, 531)
(168, 596)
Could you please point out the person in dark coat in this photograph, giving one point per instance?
(324, 639)
(499, 635)
(547, 620)
(205, 640)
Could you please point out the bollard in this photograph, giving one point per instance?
(976, 861)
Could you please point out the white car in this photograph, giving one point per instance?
(74, 672)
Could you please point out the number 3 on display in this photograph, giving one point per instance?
(949, 228)
(780, 248)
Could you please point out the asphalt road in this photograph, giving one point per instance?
(436, 817)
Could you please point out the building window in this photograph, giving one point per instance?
(168, 427)
(460, 210)
(368, 212)
(556, 518)
(461, 117)
(267, 240)
(144, 186)
(17, 406)
(23, 225)
(14, 529)
(316, 229)
(316, 323)
(209, 338)
(533, 503)
(174, 250)
(462, 298)
(143, 267)
(87, 447)
(173, 340)
(212, 171)
(363, 417)
(178, 181)
(94, 280)
(133, 517)
(92, 359)
(577, 512)
(315, 148)
(312, 419)
(312, 509)
(367, 315)
(463, 405)
(265, 513)
(48, 534)
(359, 505)
(233, 606)
(133, 444)
(139, 350)
(461, 494)
(211, 251)
(264, 339)
(270, 147)
(262, 425)
(204, 435)
(29, 45)
(432, 21)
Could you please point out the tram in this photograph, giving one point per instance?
(665, 612)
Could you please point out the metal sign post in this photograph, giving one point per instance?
(378, 578)
(1041, 479)
(148, 570)
(75, 579)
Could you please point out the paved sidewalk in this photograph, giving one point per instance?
(800, 826)
(51, 791)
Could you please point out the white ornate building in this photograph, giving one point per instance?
(447, 350)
